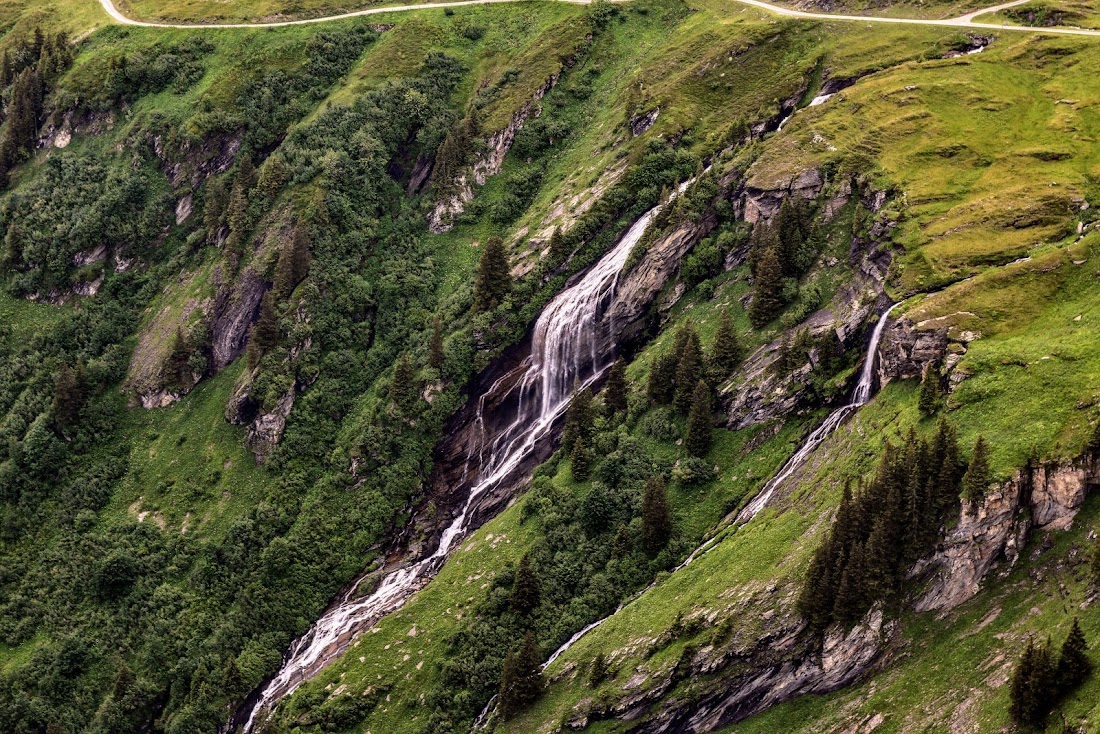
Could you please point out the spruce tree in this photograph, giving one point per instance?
(615, 390)
(597, 671)
(435, 348)
(176, 371)
(689, 368)
(293, 264)
(767, 290)
(1073, 662)
(1092, 445)
(977, 476)
(274, 175)
(578, 420)
(1032, 691)
(525, 587)
(403, 388)
(558, 245)
(521, 681)
(726, 353)
(929, 400)
(580, 457)
(216, 201)
(494, 278)
(69, 397)
(700, 422)
(656, 516)
(662, 378)
(265, 333)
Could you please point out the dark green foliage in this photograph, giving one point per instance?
(662, 378)
(215, 204)
(578, 420)
(1092, 444)
(435, 347)
(890, 522)
(1074, 665)
(1032, 690)
(521, 681)
(293, 264)
(580, 457)
(265, 332)
(656, 516)
(689, 367)
(176, 371)
(929, 401)
(1094, 560)
(597, 670)
(70, 396)
(525, 588)
(726, 353)
(494, 278)
(977, 477)
(404, 388)
(700, 422)
(767, 289)
(274, 175)
(615, 390)
(131, 75)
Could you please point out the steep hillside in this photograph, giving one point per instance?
(536, 367)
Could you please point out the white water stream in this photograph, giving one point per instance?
(570, 346)
(860, 395)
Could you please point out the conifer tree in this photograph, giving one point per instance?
(615, 390)
(1032, 689)
(726, 353)
(403, 388)
(597, 672)
(977, 475)
(929, 400)
(689, 368)
(580, 457)
(558, 246)
(662, 378)
(69, 397)
(435, 348)
(293, 264)
(521, 681)
(1092, 445)
(233, 683)
(494, 279)
(525, 588)
(265, 334)
(767, 290)
(578, 420)
(176, 371)
(1073, 662)
(215, 204)
(700, 422)
(791, 229)
(274, 175)
(656, 516)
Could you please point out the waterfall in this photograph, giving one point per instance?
(571, 345)
(860, 395)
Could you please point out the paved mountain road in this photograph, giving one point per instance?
(963, 21)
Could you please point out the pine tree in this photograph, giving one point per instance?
(494, 279)
(1073, 662)
(700, 422)
(435, 347)
(726, 353)
(662, 378)
(293, 264)
(929, 401)
(215, 203)
(615, 390)
(525, 588)
(578, 420)
(689, 368)
(767, 289)
(176, 371)
(977, 476)
(656, 516)
(581, 459)
(403, 388)
(521, 681)
(69, 397)
(265, 333)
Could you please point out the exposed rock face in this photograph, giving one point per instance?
(1043, 497)
(235, 308)
(904, 351)
(265, 432)
(488, 163)
(644, 121)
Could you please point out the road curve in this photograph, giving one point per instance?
(963, 21)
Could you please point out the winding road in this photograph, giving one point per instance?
(963, 21)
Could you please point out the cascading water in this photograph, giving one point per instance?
(860, 395)
(571, 346)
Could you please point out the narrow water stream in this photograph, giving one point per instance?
(572, 344)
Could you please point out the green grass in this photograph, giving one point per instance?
(188, 466)
(1048, 13)
(26, 318)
